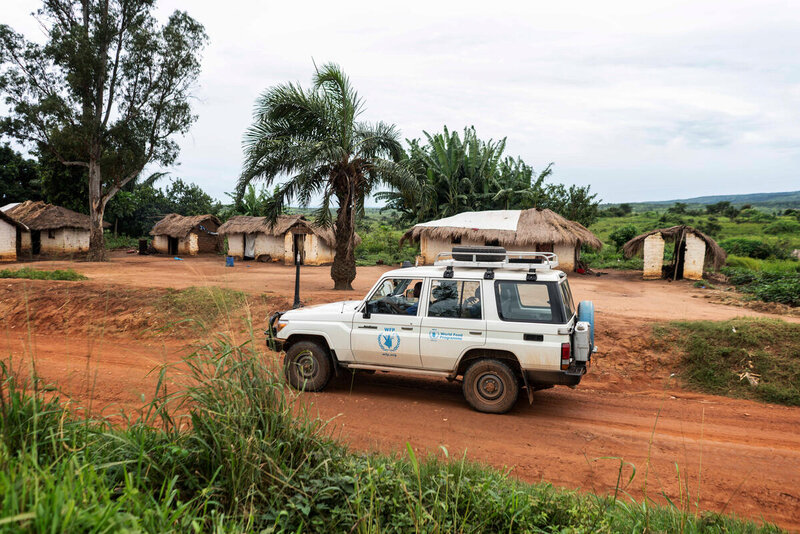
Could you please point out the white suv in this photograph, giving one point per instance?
(501, 320)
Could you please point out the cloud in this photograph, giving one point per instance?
(644, 100)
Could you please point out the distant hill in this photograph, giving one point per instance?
(776, 201)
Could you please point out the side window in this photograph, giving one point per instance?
(396, 296)
(569, 304)
(529, 302)
(455, 298)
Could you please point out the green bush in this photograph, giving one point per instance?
(769, 286)
(753, 248)
(783, 226)
(381, 243)
(608, 258)
(622, 235)
(36, 274)
(120, 241)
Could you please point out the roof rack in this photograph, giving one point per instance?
(531, 261)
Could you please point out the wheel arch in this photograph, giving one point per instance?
(476, 354)
(321, 340)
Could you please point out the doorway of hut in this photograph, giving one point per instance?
(298, 248)
(673, 267)
(172, 245)
(249, 246)
(36, 242)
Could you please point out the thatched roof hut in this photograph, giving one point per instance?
(281, 240)
(13, 222)
(37, 215)
(512, 228)
(714, 254)
(245, 224)
(179, 226)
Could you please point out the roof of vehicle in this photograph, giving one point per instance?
(437, 271)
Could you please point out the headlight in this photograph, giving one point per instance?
(280, 326)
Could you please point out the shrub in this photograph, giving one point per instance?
(622, 235)
(753, 248)
(36, 274)
(782, 227)
(769, 286)
(381, 243)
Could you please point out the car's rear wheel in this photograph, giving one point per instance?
(490, 386)
(307, 366)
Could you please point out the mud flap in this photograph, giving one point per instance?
(527, 388)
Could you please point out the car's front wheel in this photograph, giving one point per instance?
(490, 386)
(307, 366)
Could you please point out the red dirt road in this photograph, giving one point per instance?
(732, 455)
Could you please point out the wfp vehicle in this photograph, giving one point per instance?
(500, 321)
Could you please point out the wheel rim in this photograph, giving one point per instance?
(306, 365)
(490, 387)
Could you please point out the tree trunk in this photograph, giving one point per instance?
(343, 270)
(97, 206)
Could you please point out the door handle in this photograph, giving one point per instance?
(368, 326)
(407, 327)
(533, 337)
(476, 333)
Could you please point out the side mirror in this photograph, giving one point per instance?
(365, 314)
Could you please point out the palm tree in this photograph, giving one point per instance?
(314, 136)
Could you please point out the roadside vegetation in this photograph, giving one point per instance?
(201, 305)
(748, 358)
(235, 453)
(36, 274)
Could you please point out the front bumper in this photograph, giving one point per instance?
(274, 343)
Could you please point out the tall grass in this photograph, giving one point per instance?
(235, 452)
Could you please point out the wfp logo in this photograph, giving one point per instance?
(388, 340)
(434, 334)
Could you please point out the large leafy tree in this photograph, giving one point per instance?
(457, 173)
(315, 139)
(19, 177)
(107, 92)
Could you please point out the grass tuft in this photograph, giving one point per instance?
(36, 274)
(201, 304)
(747, 358)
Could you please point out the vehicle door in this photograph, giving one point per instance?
(453, 322)
(526, 321)
(386, 328)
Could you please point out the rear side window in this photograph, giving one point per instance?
(455, 298)
(528, 302)
(569, 304)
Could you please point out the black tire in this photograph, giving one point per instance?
(307, 366)
(490, 386)
(488, 254)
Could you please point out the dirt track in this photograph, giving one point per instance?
(737, 456)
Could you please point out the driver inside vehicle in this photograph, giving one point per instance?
(396, 297)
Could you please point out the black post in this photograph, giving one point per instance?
(296, 281)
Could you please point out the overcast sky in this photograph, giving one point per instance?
(642, 100)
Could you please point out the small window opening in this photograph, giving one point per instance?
(456, 240)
